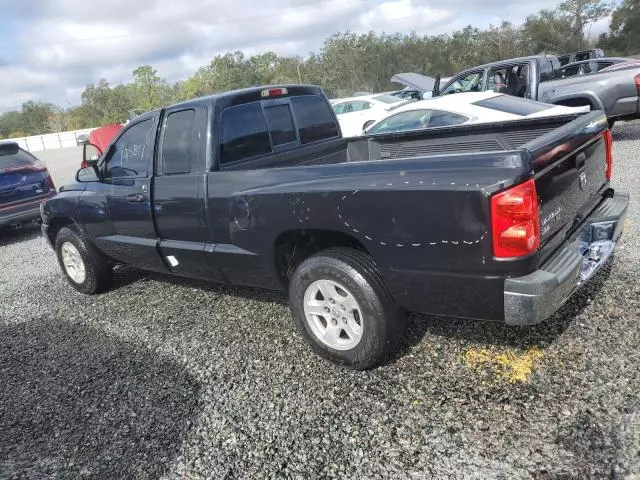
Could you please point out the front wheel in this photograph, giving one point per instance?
(84, 267)
(343, 309)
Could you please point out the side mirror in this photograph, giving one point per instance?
(87, 174)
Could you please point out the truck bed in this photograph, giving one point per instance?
(492, 137)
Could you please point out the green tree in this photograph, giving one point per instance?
(582, 13)
(149, 89)
(624, 36)
(550, 31)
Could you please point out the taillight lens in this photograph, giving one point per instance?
(48, 181)
(608, 149)
(515, 221)
(637, 81)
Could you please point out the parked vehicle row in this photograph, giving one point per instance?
(258, 187)
(466, 109)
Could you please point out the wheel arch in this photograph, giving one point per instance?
(292, 247)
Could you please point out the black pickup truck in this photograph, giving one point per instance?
(256, 187)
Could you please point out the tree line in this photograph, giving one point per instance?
(346, 63)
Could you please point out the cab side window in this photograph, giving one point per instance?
(129, 156)
(178, 148)
(244, 133)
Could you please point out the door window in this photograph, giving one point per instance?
(129, 155)
(178, 148)
(417, 119)
(360, 105)
(472, 82)
(510, 80)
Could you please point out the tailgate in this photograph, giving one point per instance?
(570, 173)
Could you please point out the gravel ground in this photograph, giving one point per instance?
(166, 378)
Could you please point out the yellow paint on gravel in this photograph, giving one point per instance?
(507, 365)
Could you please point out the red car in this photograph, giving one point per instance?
(98, 140)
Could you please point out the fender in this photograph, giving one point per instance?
(63, 208)
(588, 95)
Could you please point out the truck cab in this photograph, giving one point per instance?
(518, 77)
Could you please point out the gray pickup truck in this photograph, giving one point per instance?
(535, 77)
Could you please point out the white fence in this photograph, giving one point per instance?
(50, 141)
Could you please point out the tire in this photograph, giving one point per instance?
(97, 271)
(611, 122)
(354, 273)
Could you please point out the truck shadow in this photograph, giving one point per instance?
(500, 334)
(418, 325)
(17, 235)
(76, 402)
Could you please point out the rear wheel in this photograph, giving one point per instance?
(84, 267)
(343, 309)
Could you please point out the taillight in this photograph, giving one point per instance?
(48, 181)
(636, 79)
(515, 221)
(608, 151)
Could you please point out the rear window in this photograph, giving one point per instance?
(244, 133)
(280, 123)
(387, 99)
(19, 159)
(314, 118)
(513, 105)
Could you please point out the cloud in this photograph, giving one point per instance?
(49, 50)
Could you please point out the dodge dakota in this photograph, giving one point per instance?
(257, 187)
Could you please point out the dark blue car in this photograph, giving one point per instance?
(24, 184)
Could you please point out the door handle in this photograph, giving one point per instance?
(135, 198)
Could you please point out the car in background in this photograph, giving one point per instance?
(466, 108)
(25, 183)
(98, 141)
(629, 64)
(585, 67)
(573, 57)
(356, 113)
(617, 93)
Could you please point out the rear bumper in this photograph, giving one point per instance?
(20, 218)
(625, 107)
(535, 297)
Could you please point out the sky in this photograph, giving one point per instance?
(51, 49)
